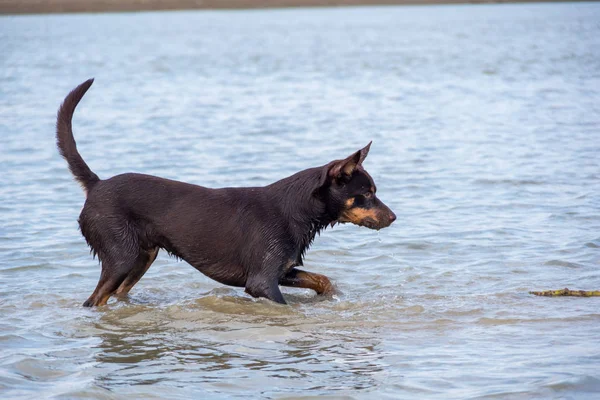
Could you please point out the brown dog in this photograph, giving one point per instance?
(251, 237)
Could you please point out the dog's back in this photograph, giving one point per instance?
(194, 223)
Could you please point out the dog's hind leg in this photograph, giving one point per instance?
(308, 280)
(116, 268)
(144, 262)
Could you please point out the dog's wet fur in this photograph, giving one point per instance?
(252, 237)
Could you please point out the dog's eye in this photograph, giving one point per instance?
(368, 195)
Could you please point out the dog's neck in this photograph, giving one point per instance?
(305, 237)
(305, 213)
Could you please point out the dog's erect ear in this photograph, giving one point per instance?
(340, 168)
(364, 152)
(348, 165)
(344, 167)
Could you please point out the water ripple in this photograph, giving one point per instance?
(484, 121)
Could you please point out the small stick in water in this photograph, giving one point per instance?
(568, 292)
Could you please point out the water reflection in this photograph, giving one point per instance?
(143, 345)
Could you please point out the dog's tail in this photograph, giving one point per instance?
(66, 142)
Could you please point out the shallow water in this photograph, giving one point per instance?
(486, 145)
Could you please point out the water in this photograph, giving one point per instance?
(486, 145)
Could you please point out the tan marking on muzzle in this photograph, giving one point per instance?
(358, 215)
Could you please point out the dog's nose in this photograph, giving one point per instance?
(392, 217)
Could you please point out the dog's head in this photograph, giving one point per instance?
(350, 193)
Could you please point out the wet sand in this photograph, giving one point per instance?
(68, 6)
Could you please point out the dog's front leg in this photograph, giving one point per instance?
(265, 287)
(308, 280)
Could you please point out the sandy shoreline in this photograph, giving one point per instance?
(70, 6)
